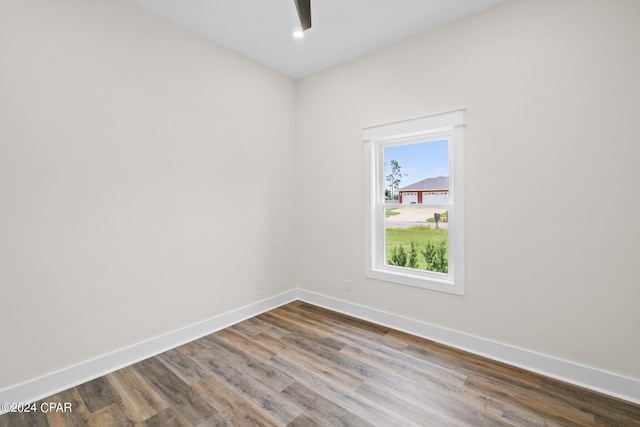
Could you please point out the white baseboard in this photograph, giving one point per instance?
(72, 376)
(573, 373)
(593, 379)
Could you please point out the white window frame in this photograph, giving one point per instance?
(435, 127)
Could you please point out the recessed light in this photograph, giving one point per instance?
(298, 33)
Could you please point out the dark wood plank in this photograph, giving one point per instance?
(76, 417)
(541, 405)
(416, 412)
(303, 421)
(217, 421)
(27, 419)
(97, 394)
(606, 409)
(292, 327)
(316, 364)
(232, 360)
(245, 345)
(335, 318)
(109, 416)
(139, 400)
(302, 322)
(464, 362)
(168, 418)
(183, 366)
(265, 328)
(442, 402)
(231, 404)
(322, 411)
(176, 392)
(189, 348)
(363, 408)
(401, 363)
(261, 396)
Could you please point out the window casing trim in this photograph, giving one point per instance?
(449, 126)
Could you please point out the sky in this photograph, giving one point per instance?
(418, 161)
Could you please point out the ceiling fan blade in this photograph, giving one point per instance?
(304, 13)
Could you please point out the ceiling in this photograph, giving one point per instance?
(342, 29)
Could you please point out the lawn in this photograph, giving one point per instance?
(419, 235)
(391, 212)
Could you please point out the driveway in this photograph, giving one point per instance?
(412, 217)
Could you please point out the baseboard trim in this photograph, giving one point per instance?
(597, 380)
(590, 378)
(47, 385)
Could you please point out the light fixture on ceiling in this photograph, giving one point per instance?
(298, 33)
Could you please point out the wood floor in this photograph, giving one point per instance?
(301, 365)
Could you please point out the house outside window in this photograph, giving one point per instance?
(429, 190)
(414, 191)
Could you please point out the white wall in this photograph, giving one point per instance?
(122, 139)
(552, 96)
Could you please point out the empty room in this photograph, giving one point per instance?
(324, 213)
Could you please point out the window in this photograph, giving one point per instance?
(415, 201)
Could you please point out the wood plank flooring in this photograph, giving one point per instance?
(301, 365)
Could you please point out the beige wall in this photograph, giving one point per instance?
(143, 172)
(552, 209)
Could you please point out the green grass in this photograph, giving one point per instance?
(391, 212)
(419, 235)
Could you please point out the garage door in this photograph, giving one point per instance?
(408, 198)
(435, 197)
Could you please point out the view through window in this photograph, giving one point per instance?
(416, 230)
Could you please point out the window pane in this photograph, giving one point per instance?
(415, 239)
(417, 173)
(416, 236)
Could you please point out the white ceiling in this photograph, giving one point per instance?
(342, 29)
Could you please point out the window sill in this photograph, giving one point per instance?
(419, 281)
